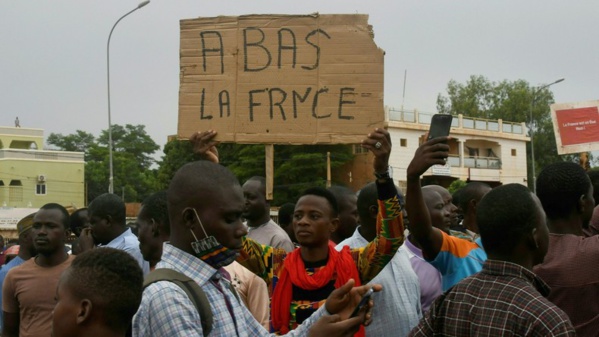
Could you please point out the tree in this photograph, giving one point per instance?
(77, 142)
(295, 167)
(132, 160)
(456, 185)
(176, 154)
(510, 101)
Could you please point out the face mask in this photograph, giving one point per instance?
(210, 250)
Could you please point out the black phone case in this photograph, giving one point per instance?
(440, 126)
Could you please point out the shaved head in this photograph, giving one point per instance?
(430, 196)
(195, 182)
(436, 208)
(205, 199)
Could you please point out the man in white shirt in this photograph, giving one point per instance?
(398, 310)
(107, 218)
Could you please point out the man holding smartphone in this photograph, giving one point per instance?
(455, 258)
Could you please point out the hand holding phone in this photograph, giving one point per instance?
(440, 126)
(363, 302)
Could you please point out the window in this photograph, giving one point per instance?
(15, 191)
(514, 152)
(40, 189)
(403, 142)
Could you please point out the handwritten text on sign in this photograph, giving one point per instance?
(281, 79)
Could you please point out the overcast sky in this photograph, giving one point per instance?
(53, 53)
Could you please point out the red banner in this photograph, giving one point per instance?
(578, 126)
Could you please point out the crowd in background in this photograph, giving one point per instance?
(482, 262)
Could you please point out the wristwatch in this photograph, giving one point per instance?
(388, 174)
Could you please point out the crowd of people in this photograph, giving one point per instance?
(207, 258)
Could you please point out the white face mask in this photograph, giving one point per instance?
(210, 250)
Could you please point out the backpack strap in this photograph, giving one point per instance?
(191, 288)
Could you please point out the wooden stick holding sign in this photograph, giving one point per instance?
(269, 162)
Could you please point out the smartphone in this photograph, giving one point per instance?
(362, 303)
(440, 126)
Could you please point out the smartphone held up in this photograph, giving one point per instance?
(440, 126)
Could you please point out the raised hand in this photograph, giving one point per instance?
(432, 152)
(204, 145)
(379, 143)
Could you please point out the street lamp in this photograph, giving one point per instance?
(532, 131)
(111, 178)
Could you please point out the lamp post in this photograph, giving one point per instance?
(111, 177)
(532, 131)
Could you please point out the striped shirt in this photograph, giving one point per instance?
(166, 311)
(504, 299)
(458, 259)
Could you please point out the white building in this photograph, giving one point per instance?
(490, 151)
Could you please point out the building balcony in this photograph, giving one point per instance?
(459, 122)
(482, 163)
(454, 160)
(492, 163)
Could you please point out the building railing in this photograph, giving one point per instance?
(483, 162)
(459, 121)
(454, 160)
(41, 155)
(493, 163)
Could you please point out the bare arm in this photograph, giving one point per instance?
(11, 324)
(428, 154)
(389, 227)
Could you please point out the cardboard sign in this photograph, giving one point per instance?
(280, 78)
(576, 126)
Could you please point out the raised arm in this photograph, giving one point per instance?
(428, 154)
(390, 229)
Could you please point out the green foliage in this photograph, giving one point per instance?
(77, 142)
(295, 167)
(302, 166)
(132, 160)
(456, 185)
(176, 154)
(134, 140)
(507, 100)
(510, 101)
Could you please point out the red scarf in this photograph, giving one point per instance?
(294, 272)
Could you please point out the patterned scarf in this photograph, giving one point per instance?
(294, 272)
